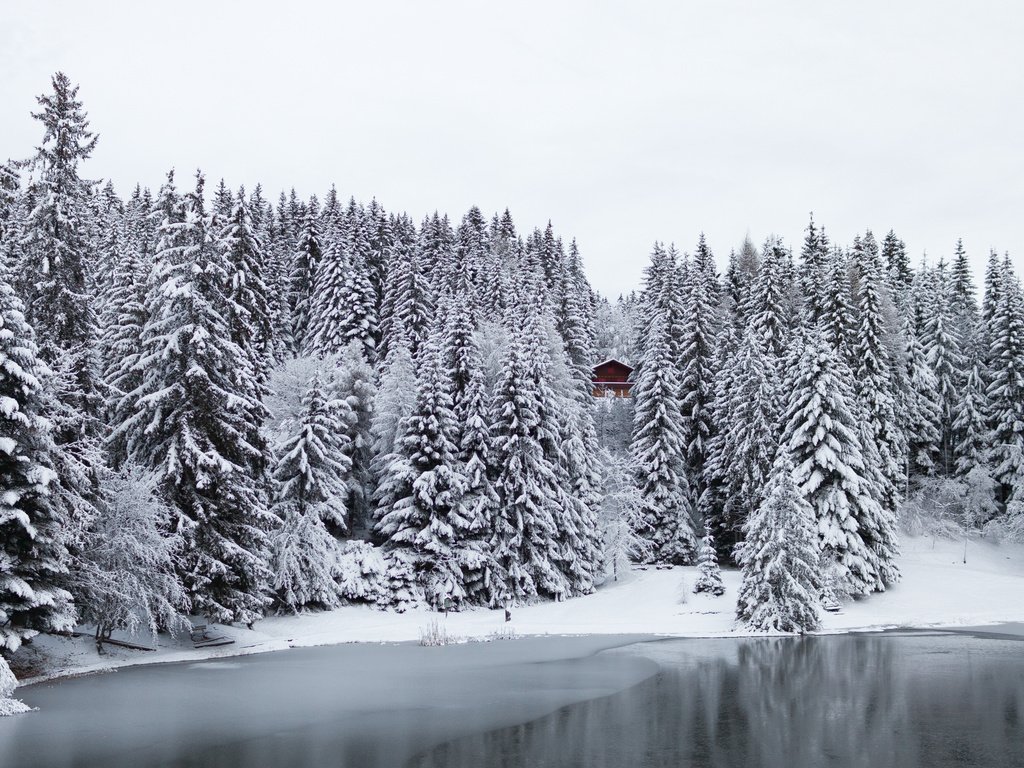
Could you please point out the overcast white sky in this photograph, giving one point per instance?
(623, 122)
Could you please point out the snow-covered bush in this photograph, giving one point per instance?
(8, 683)
(436, 634)
(402, 590)
(950, 508)
(620, 515)
(1009, 527)
(303, 558)
(125, 573)
(361, 573)
(710, 579)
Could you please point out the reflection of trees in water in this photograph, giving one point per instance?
(844, 701)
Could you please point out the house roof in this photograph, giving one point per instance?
(613, 360)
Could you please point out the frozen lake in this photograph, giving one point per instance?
(906, 700)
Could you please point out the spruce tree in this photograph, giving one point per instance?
(767, 310)
(813, 269)
(1006, 389)
(248, 308)
(358, 300)
(710, 579)
(923, 407)
(942, 349)
(836, 321)
(310, 472)
(964, 298)
(875, 382)
(659, 452)
(408, 301)
(425, 520)
(33, 559)
(302, 277)
(894, 255)
(56, 251)
(328, 309)
(125, 316)
(970, 427)
(354, 383)
(747, 414)
(697, 351)
(779, 556)
(523, 536)
(822, 439)
(195, 421)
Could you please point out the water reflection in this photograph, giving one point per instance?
(928, 701)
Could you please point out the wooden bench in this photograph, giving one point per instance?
(201, 638)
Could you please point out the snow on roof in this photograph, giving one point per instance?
(613, 360)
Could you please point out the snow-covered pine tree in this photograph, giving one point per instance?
(942, 349)
(437, 252)
(897, 262)
(658, 450)
(779, 556)
(310, 472)
(1006, 388)
(124, 318)
(471, 406)
(813, 270)
(248, 309)
(923, 410)
(740, 277)
(572, 452)
(408, 297)
(56, 254)
(970, 427)
(747, 415)
(710, 578)
(393, 403)
(875, 384)
(836, 321)
(662, 295)
(523, 539)
(697, 352)
(280, 249)
(963, 292)
(196, 424)
(767, 307)
(821, 437)
(302, 277)
(426, 518)
(328, 311)
(354, 383)
(358, 300)
(33, 559)
(10, 212)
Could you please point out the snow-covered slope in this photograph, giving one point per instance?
(938, 589)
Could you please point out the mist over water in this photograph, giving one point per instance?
(869, 700)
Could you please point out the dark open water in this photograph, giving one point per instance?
(907, 700)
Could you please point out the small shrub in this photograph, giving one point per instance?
(503, 633)
(436, 634)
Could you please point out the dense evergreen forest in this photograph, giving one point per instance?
(218, 403)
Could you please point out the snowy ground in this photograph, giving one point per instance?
(937, 589)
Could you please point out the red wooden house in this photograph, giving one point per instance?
(612, 378)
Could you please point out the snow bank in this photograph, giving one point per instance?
(8, 706)
(937, 590)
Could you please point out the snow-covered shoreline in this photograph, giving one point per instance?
(938, 590)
